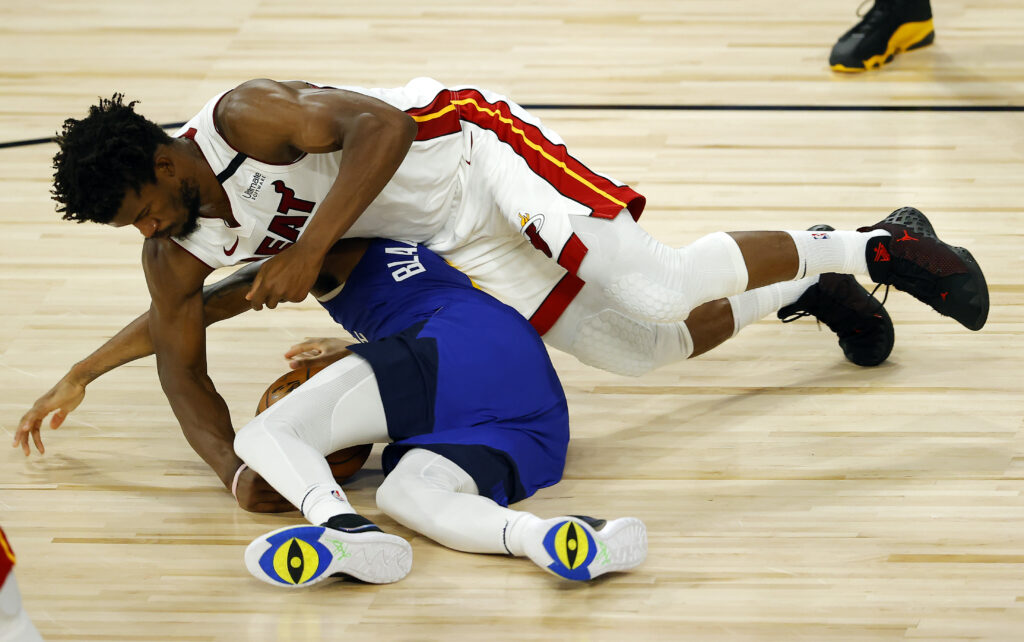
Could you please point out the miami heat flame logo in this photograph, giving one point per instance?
(530, 225)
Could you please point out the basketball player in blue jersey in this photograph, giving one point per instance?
(286, 169)
(462, 389)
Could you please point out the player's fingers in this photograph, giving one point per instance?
(36, 437)
(304, 355)
(31, 421)
(255, 294)
(57, 419)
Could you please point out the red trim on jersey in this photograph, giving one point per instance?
(7, 558)
(551, 162)
(572, 254)
(555, 303)
(439, 118)
(190, 134)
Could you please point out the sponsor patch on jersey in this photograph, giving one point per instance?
(295, 556)
(255, 185)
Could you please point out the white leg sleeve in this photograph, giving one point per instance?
(15, 625)
(649, 280)
(608, 339)
(753, 305)
(338, 407)
(433, 496)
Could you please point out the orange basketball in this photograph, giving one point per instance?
(345, 462)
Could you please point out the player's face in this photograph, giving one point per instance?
(161, 209)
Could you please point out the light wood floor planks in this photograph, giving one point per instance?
(788, 495)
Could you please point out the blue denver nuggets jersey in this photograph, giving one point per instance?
(395, 285)
(459, 372)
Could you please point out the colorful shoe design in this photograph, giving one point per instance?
(582, 548)
(298, 556)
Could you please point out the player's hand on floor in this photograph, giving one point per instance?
(60, 400)
(255, 495)
(318, 352)
(287, 276)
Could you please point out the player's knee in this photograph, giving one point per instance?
(715, 268)
(252, 439)
(393, 498)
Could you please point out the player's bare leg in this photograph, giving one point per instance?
(433, 496)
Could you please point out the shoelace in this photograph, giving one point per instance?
(873, 17)
(804, 313)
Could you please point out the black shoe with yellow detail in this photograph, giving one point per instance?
(347, 545)
(581, 548)
(889, 28)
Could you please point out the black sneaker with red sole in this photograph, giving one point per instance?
(914, 260)
(860, 321)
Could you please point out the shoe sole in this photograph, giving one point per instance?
(908, 37)
(300, 556)
(580, 553)
(972, 283)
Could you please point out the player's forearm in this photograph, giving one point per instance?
(373, 151)
(221, 300)
(203, 416)
(131, 343)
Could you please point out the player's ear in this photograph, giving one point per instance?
(163, 162)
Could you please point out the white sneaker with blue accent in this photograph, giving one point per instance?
(304, 555)
(581, 548)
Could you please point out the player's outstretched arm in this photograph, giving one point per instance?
(221, 300)
(277, 122)
(178, 332)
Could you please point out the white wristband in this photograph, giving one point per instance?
(234, 482)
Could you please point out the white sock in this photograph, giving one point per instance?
(517, 529)
(842, 252)
(323, 501)
(753, 305)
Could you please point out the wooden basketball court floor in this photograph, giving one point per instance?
(788, 494)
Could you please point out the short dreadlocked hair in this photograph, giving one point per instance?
(100, 157)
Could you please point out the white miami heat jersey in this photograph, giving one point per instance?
(272, 204)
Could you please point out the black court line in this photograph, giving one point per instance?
(765, 108)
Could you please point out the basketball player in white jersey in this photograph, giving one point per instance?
(286, 169)
(15, 625)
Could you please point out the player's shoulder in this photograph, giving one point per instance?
(245, 101)
(172, 270)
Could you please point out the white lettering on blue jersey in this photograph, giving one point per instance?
(407, 268)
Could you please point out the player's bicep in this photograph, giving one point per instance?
(269, 115)
(176, 324)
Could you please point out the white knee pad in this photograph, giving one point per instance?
(607, 339)
(612, 341)
(650, 281)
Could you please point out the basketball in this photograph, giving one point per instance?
(345, 462)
